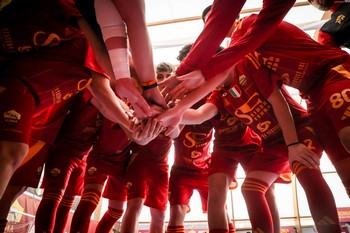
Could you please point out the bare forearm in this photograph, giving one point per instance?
(107, 102)
(200, 92)
(284, 117)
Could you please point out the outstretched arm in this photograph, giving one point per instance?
(198, 116)
(105, 100)
(126, 89)
(297, 151)
(173, 117)
(133, 14)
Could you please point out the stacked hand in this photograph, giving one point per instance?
(300, 153)
(177, 87)
(126, 90)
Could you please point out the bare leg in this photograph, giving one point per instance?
(11, 156)
(131, 216)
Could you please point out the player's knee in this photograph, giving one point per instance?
(344, 136)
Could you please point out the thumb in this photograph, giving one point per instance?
(169, 130)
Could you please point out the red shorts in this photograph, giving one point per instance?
(17, 107)
(29, 173)
(115, 189)
(20, 120)
(227, 161)
(329, 108)
(100, 170)
(63, 169)
(148, 179)
(75, 185)
(54, 74)
(47, 122)
(182, 183)
(274, 157)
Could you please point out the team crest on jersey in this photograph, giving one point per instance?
(235, 91)
(242, 80)
(11, 117)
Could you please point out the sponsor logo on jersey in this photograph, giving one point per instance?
(11, 117)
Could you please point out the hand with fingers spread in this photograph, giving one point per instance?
(156, 110)
(168, 84)
(302, 154)
(154, 96)
(128, 91)
(146, 131)
(187, 83)
(170, 119)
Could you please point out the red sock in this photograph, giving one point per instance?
(231, 228)
(46, 212)
(271, 201)
(253, 191)
(321, 201)
(2, 225)
(63, 213)
(175, 229)
(218, 231)
(108, 220)
(87, 205)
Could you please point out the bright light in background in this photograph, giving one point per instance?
(168, 39)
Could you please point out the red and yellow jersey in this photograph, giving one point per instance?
(298, 59)
(246, 99)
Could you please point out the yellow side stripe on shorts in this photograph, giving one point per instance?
(33, 150)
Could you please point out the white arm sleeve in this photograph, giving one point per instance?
(112, 25)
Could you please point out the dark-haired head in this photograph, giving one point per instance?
(205, 13)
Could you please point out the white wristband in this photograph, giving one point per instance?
(120, 62)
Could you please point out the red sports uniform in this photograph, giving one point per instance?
(320, 72)
(220, 20)
(246, 99)
(234, 143)
(190, 169)
(67, 158)
(108, 160)
(46, 124)
(147, 173)
(46, 55)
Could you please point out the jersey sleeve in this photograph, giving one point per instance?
(266, 22)
(92, 63)
(223, 15)
(215, 98)
(326, 39)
